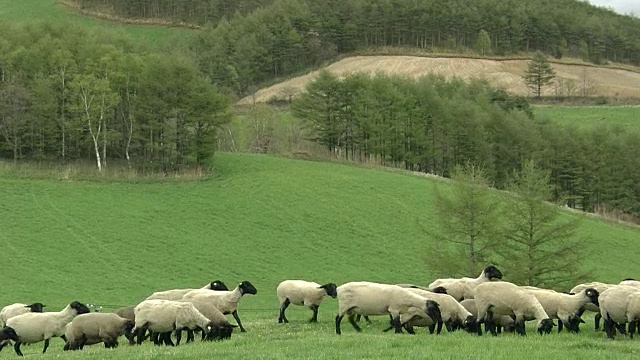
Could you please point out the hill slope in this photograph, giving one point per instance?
(504, 73)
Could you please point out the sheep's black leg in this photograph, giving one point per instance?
(155, 337)
(190, 336)
(490, 323)
(283, 318)
(3, 344)
(439, 327)
(314, 308)
(235, 316)
(46, 345)
(178, 336)
(520, 329)
(16, 347)
(560, 325)
(632, 328)
(352, 320)
(167, 339)
(397, 325)
(338, 320)
(609, 328)
(597, 321)
(409, 329)
(622, 329)
(432, 328)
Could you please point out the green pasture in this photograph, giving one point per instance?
(626, 117)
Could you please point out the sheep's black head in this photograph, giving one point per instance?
(546, 326)
(247, 288)
(36, 307)
(471, 324)
(432, 309)
(128, 326)
(79, 307)
(218, 285)
(330, 289)
(491, 272)
(629, 279)
(593, 295)
(10, 333)
(439, 290)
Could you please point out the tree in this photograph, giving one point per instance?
(468, 219)
(483, 43)
(539, 242)
(539, 73)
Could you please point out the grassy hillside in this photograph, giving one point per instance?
(25, 11)
(589, 116)
(261, 219)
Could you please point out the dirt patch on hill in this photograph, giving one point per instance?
(504, 73)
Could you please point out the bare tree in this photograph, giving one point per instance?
(14, 102)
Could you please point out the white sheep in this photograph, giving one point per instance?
(620, 305)
(225, 301)
(367, 298)
(600, 287)
(567, 308)
(222, 328)
(16, 309)
(165, 316)
(35, 327)
(177, 294)
(463, 288)
(93, 328)
(500, 321)
(504, 298)
(305, 293)
(452, 313)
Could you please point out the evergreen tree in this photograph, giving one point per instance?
(539, 74)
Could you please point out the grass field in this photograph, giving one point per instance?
(25, 11)
(588, 116)
(261, 219)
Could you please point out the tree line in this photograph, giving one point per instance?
(250, 42)
(68, 94)
(432, 125)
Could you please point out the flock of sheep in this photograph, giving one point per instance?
(464, 303)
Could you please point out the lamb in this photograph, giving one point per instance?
(367, 298)
(164, 316)
(16, 309)
(93, 328)
(620, 305)
(177, 294)
(600, 287)
(463, 288)
(222, 328)
(225, 301)
(504, 298)
(300, 292)
(451, 313)
(566, 308)
(35, 327)
(500, 321)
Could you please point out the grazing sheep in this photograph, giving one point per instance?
(222, 327)
(500, 321)
(463, 288)
(620, 305)
(366, 298)
(225, 301)
(35, 327)
(93, 328)
(126, 312)
(165, 316)
(300, 292)
(504, 298)
(600, 287)
(16, 309)
(177, 294)
(566, 308)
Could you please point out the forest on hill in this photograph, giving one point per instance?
(249, 42)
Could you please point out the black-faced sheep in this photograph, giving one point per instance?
(463, 288)
(504, 298)
(620, 305)
(366, 298)
(36, 327)
(93, 328)
(500, 321)
(165, 316)
(225, 301)
(567, 308)
(600, 287)
(304, 293)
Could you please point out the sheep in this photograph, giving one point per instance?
(463, 288)
(501, 321)
(35, 327)
(177, 294)
(620, 305)
(16, 309)
(451, 313)
(504, 298)
(566, 308)
(300, 292)
(7, 334)
(600, 287)
(164, 316)
(366, 298)
(225, 301)
(222, 327)
(126, 312)
(93, 328)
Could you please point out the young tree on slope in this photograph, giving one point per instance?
(539, 74)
